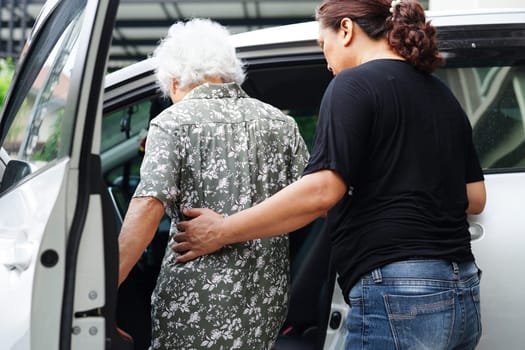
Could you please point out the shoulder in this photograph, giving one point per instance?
(266, 110)
(180, 113)
(443, 94)
(366, 77)
(352, 84)
(440, 84)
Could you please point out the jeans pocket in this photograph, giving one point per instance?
(423, 321)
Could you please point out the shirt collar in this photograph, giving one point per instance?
(213, 91)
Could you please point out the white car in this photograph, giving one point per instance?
(70, 141)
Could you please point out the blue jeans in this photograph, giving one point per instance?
(416, 304)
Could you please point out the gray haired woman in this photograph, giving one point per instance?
(214, 147)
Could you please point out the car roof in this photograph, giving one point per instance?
(477, 17)
(301, 38)
(308, 31)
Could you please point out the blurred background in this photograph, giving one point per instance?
(140, 24)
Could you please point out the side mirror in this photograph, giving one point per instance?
(15, 171)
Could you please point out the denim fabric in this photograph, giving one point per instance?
(416, 305)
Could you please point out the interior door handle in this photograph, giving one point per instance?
(477, 231)
(16, 251)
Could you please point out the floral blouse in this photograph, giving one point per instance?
(220, 149)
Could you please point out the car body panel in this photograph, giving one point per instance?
(499, 254)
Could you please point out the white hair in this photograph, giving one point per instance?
(194, 51)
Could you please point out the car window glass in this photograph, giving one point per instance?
(126, 175)
(124, 123)
(40, 132)
(124, 133)
(494, 100)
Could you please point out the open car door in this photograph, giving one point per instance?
(58, 252)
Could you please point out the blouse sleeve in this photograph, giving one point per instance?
(158, 172)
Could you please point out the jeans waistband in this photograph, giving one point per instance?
(425, 268)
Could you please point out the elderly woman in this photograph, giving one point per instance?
(218, 148)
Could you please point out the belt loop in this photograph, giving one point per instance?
(376, 275)
(455, 267)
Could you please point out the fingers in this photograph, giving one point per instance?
(181, 247)
(180, 237)
(189, 255)
(181, 226)
(194, 212)
(124, 335)
(196, 236)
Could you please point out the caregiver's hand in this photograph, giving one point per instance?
(199, 236)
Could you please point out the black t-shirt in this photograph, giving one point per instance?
(403, 145)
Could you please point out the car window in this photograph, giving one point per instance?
(494, 100)
(122, 124)
(37, 128)
(492, 96)
(295, 88)
(124, 131)
(126, 175)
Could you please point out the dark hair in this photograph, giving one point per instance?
(406, 29)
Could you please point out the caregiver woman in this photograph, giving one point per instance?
(395, 170)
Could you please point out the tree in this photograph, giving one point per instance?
(7, 69)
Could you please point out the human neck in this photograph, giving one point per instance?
(378, 49)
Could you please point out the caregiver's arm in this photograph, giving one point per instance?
(289, 209)
(477, 197)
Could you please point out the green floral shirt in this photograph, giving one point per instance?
(220, 149)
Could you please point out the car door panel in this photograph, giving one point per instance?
(24, 221)
(58, 208)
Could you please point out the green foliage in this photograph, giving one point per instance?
(7, 68)
(307, 124)
(50, 148)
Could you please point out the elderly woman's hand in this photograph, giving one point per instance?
(199, 236)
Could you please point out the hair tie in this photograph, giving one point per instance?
(394, 5)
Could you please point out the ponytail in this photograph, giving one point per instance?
(412, 37)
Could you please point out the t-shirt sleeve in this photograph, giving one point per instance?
(158, 172)
(344, 124)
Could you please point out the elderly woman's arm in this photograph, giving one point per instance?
(139, 227)
(289, 209)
